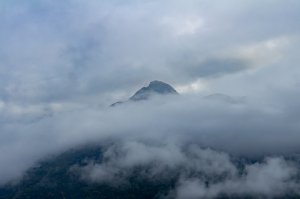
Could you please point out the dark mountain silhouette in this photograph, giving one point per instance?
(154, 88)
(54, 178)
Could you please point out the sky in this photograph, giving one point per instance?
(62, 63)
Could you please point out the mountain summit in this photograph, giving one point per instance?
(154, 88)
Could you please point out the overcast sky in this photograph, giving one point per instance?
(67, 51)
(63, 62)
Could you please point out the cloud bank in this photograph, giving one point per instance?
(200, 173)
(238, 128)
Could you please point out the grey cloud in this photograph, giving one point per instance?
(220, 67)
(211, 67)
(272, 178)
(157, 161)
(61, 51)
(246, 129)
(203, 173)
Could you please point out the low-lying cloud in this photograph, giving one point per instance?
(198, 172)
(272, 178)
(247, 129)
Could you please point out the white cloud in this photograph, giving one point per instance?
(203, 173)
(266, 52)
(184, 25)
(272, 178)
(193, 87)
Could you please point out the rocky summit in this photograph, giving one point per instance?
(154, 88)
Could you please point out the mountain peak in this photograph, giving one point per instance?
(154, 87)
(157, 82)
